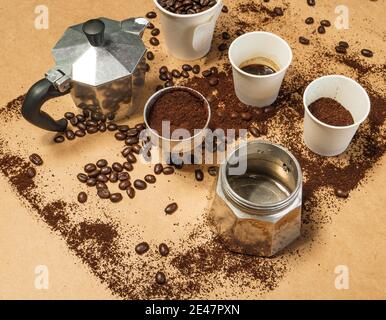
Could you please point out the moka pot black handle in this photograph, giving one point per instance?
(37, 95)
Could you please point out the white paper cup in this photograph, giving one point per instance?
(324, 139)
(255, 90)
(189, 37)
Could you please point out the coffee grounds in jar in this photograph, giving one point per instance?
(182, 108)
(331, 112)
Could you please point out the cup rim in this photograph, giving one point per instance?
(186, 16)
(357, 123)
(158, 94)
(234, 65)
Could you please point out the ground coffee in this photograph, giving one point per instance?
(331, 112)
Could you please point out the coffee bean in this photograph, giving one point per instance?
(131, 158)
(187, 67)
(90, 167)
(126, 151)
(151, 15)
(149, 178)
(309, 20)
(207, 73)
(74, 121)
(163, 69)
(31, 172)
(196, 69)
(81, 126)
(123, 176)
(222, 47)
(212, 171)
(91, 123)
(123, 185)
(214, 70)
(163, 77)
(140, 184)
(311, 2)
(367, 53)
(80, 133)
(321, 30)
(304, 40)
(213, 82)
(106, 170)
(225, 9)
(278, 11)
(117, 167)
(81, 117)
(171, 208)
(130, 192)
(103, 193)
(254, 131)
(131, 140)
(246, 116)
(82, 197)
(140, 126)
(225, 35)
(113, 177)
(82, 177)
(101, 163)
(169, 84)
(147, 67)
(94, 174)
(160, 278)
(168, 170)
(59, 139)
(155, 32)
(142, 248)
(69, 115)
(116, 197)
(199, 174)
(176, 74)
(150, 25)
(340, 49)
(132, 132)
(343, 44)
(36, 159)
(184, 74)
(154, 41)
(92, 130)
(128, 166)
(341, 193)
(91, 182)
(123, 128)
(158, 168)
(101, 185)
(102, 178)
(136, 148)
(86, 113)
(112, 127)
(325, 23)
(150, 55)
(163, 249)
(120, 136)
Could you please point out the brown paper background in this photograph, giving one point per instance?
(356, 236)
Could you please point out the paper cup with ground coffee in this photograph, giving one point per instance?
(188, 28)
(259, 62)
(334, 106)
(177, 119)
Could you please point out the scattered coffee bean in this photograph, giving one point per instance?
(106, 170)
(163, 77)
(184, 74)
(196, 69)
(69, 115)
(278, 11)
(116, 197)
(212, 171)
(90, 167)
(168, 170)
(343, 44)
(132, 132)
(131, 158)
(101, 163)
(304, 40)
(154, 41)
(246, 116)
(199, 174)
(123, 128)
(147, 67)
(142, 248)
(207, 73)
(171, 208)
(149, 178)
(92, 130)
(140, 184)
(81, 126)
(31, 172)
(130, 192)
(91, 182)
(103, 193)
(158, 168)
(94, 174)
(81, 118)
(214, 70)
(254, 131)
(128, 166)
(101, 185)
(126, 151)
(311, 2)
(225, 9)
(117, 167)
(112, 127)
(113, 177)
(163, 69)
(136, 148)
(131, 140)
(341, 193)
(321, 30)
(151, 15)
(150, 55)
(225, 35)
(80, 133)
(123, 185)
(120, 136)
(325, 23)
(155, 32)
(367, 53)
(150, 25)
(213, 82)
(36, 159)
(309, 20)
(176, 74)
(59, 139)
(169, 84)
(91, 123)
(222, 47)
(123, 176)
(160, 278)
(82, 197)
(102, 178)
(163, 249)
(82, 177)
(187, 67)
(340, 49)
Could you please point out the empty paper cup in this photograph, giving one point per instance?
(259, 90)
(325, 139)
(189, 36)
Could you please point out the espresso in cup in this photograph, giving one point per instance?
(259, 66)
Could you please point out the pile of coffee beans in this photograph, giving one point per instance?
(169, 76)
(187, 6)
